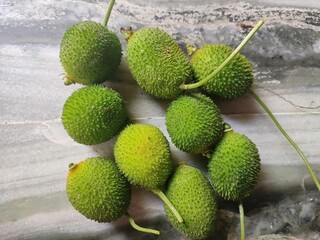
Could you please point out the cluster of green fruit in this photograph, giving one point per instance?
(100, 188)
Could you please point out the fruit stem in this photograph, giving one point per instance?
(242, 229)
(232, 55)
(164, 198)
(106, 18)
(141, 229)
(264, 106)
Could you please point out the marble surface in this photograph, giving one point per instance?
(35, 149)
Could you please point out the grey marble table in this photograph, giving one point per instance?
(35, 150)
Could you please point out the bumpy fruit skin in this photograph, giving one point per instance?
(143, 155)
(193, 196)
(97, 189)
(235, 166)
(157, 63)
(233, 81)
(89, 53)
(194, 123)
(93, 114)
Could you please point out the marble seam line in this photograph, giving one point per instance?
(266, 11)
(58, 120)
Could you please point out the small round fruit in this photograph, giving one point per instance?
(233, 81)
(97, 189)
(193, 196)
(235, 166)
(89, 53)
(93, 114)
(194, 123)
(143, 155)
(157, 62)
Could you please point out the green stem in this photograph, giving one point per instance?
(106, 18)
(141, 229)
(258, 99)
(232, 55)
(164, 198)
(242, 229)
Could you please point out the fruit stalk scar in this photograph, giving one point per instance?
(264, 106)
(232, 55)
(72, 165)
(164, 198)
(67, 80)
(141, 229)
(106, 18)
(227, 127)
(126, 32)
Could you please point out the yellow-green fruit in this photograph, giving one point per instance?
(93, 114)
(233, 81)
(235, 166)
(157, 62)
(193, 196)
(194, 123)
(97, 189)
(89, 53)
(143, 155)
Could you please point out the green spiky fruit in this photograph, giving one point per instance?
(233, 81)
(193, 196)
(89, 53)
(97, 189)
(235, 166)
(157, 62)
(194, 123)
(143, 155)
(93, 114)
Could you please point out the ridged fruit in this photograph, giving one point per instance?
(191, 193)
(233, 81)
(97, 189)
(194, 123)
(143, 155)
(89, 53)
(157, 63)
(93, 114)
(235, 166)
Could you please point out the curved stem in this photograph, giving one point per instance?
(242, 229)
(141, 229)
(164, 198)
(258, 99)
(106, 18)
(232, 55)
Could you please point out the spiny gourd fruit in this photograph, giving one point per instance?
(89, 53)
(157, 63)
(233, 81)
(235, 166)
(194, 123)
(97, 189)
(190, 191)
(143, 155)
(93, 114)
